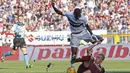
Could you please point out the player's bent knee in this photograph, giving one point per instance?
(13, 52)
(24, 50)
(88, 71)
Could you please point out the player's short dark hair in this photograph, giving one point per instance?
(77, 13)
(77, 10)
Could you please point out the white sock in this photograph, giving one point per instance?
(72, 65)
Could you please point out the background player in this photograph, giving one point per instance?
(79, 29)
(19, 31)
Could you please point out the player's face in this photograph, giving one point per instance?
(98, 59)
(21, 19)
(77, 13)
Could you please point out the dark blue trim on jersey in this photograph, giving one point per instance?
(72, 23)
(77, 32)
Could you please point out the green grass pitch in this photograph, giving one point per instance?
(59, 66)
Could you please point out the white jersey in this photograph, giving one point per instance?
(77, 26)
(78, 29)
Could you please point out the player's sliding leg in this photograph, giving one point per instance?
(9, 53)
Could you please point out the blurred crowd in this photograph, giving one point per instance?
(38, 15)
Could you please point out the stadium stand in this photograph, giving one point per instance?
(39, 15)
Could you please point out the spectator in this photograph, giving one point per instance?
(102, 14)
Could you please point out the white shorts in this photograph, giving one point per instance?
(75, 40)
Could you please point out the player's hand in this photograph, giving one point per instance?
(95, 38)
(99, 42)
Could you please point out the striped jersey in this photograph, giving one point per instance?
(76, 26)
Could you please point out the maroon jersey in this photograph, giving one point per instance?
(82, 69)
(92, 67)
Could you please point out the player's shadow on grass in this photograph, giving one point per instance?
(118, 72)
(4, 68)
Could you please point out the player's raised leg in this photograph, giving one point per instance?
(4, 55)
(9, 53)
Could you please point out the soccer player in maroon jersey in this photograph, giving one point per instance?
(90, 64)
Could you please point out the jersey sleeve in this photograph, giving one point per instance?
(86, 20)
(66, 13)
(14, 27)
(25, 30)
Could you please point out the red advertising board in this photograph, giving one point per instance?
(111, 51)
(4, 49)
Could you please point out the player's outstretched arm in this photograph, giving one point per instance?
(88, 28)
(56, 10)
(90, 48)
(88, 57)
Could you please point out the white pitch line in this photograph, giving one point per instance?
(118, 69)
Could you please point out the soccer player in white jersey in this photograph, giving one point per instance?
(79, 29)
